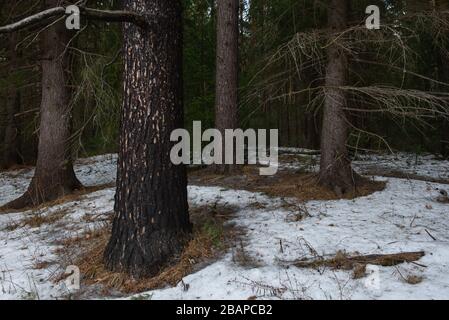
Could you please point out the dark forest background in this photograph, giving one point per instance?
(271, 93)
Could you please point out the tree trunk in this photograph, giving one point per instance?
(335, 166)
(10, 146)
(443, 76)
(226, 100)
(311, 116)
(54, 175)
(311, 131)
(151, 223)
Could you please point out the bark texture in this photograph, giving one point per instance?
(335, 166)
(54, 175)
(151, 223)
(226, 100)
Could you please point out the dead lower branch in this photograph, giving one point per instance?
(94, 14)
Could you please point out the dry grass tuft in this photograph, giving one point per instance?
(359, 271)
(12, 225)
(300, 185)
(413, 279)
(38, 265)
(35, 220)
(16, 167)
(210, 238)
(242, 257)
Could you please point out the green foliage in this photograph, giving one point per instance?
(199, 61)
(214, 231)
(273, 94)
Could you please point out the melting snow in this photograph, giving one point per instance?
(391, 221)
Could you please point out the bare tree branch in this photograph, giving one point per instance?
(115, 16)
(103, 15)
(46, 14)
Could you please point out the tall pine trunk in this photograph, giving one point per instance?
(226, 100)
(335, 166)
(151, 223)
(54, 175)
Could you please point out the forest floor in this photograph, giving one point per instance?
(267, 226)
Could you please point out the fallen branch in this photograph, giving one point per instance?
(300, 152)
(343, 261)
(430, 235)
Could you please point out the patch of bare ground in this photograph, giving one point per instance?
(74, 196)
(300, 185)
(16, 169)
(212, 236)
(35, 220)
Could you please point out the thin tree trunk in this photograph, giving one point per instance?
(443, 76)
(335, 166)
(11, 143)
(151, 223)
(54, 175)
(226, 102)
(10, 146)
(310, 117)
(311, 132)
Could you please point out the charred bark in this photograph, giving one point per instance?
(226, 100)
(151, 223)
(54, 175)
(335, 165)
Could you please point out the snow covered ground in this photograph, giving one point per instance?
(426, 165)
(391, 221)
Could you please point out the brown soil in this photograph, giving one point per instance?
(210, 238)
(303, 186)
(16, 167)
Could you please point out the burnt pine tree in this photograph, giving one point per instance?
(151, 222)
(226, 97)
(54, 175)
(335, 167)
